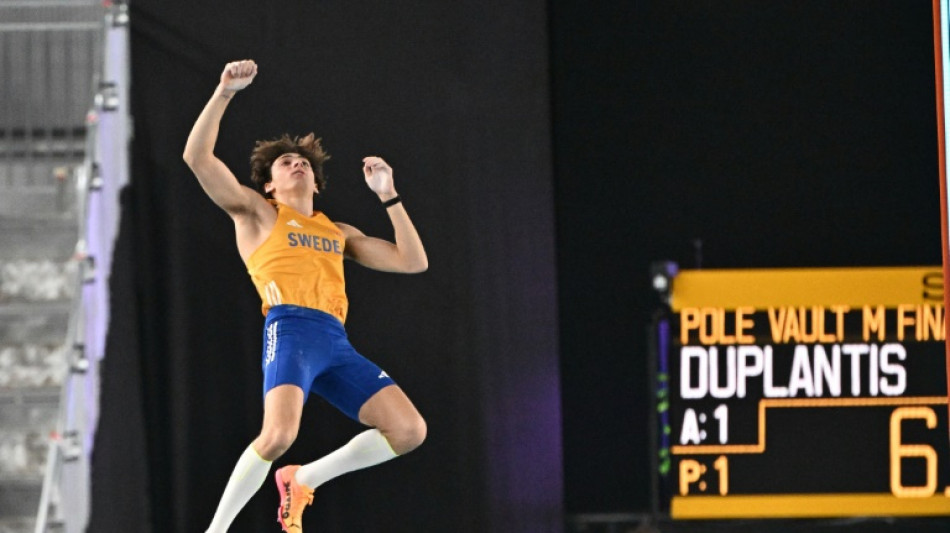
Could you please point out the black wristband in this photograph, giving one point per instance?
(392, 201)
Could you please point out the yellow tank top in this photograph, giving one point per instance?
(301, 263)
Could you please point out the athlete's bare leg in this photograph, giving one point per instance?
(392, 413)
(397, 428)
(283, 407)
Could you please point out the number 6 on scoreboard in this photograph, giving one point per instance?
(900, 451)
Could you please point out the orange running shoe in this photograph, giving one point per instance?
(294, 497)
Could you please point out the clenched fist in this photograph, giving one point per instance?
(238, 74)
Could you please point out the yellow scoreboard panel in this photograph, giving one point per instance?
(805, 393)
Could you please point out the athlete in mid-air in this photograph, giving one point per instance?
(294, 255)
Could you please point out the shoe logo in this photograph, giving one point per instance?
(294, 223)
(286, 513)
(382, 375)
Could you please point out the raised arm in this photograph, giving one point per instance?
(407, 254)
(216, 179)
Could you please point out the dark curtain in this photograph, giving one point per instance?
(721, 134)
(454, 96)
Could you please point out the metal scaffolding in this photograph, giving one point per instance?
(63, 142)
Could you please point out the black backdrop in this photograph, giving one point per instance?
(785, 133)
(779, 134)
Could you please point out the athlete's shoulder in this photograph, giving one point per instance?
(347, 230)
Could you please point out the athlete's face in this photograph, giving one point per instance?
(291, 173)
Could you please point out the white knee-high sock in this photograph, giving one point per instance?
(249, 473)
(366, 449)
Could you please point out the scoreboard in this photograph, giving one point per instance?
(792, 393)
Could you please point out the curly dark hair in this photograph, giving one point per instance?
(265, 152)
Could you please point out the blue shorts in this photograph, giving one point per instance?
(309, 348)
